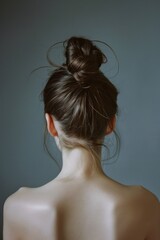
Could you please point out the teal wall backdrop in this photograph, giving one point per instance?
(28, 28)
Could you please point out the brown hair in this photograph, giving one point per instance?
(80, 97)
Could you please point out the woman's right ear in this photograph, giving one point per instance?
(111, 125)
(50, 125)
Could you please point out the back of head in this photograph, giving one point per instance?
(79, 96)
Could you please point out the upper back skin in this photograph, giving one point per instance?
(99, 209)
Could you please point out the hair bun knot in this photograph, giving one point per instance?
(82, 57)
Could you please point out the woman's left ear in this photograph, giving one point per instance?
(111, 125)
(50, 125)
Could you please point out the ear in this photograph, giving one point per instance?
(50, 125)
(111, 125)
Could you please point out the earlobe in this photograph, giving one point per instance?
(50, 125)
(111, 125)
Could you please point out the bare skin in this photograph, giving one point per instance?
(81, 203)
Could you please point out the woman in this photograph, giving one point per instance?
(81, 203)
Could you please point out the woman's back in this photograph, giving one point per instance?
(96, 209)
(80, 105)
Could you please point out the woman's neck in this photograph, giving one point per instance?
(78, 163)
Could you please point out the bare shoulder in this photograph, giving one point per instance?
(143, 204)
(151, 207)
(16, 205)
(26, 199)
(13, 212)
(18, 199)
(144, 195)
(13, 201)
(130, 193)
(134, 199)
(23, 209)
(140, 210)
(140, 197)
(150, 202)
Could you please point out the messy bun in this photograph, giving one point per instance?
(83, 58)
(80, 97)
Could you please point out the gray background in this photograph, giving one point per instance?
(28, 28)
